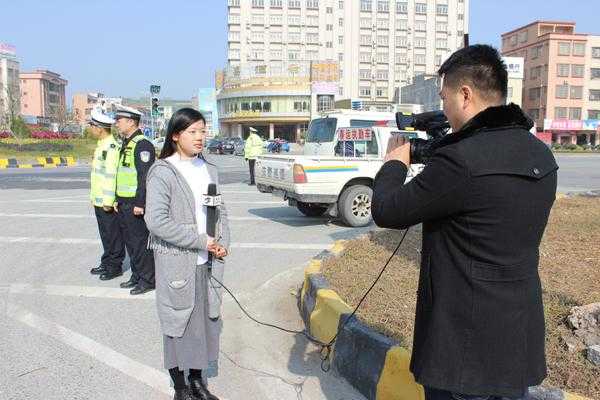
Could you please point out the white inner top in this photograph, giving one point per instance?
(198, 178)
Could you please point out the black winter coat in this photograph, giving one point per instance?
(484, 200)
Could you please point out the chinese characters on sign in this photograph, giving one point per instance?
(355, 134)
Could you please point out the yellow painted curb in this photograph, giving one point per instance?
(396, 382)
(561, 196)
(571, 396)
(41, 160)
(21, 166)
(314, 267)
(49, 165)
(338, 247)
(3, 162)
(70, 160)
(325, 317)
(55, 160)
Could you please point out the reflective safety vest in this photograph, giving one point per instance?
(127, 174)
(253, 147)
(104, 172)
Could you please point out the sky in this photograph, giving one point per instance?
(121, 47)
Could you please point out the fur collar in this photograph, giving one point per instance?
(505, 116)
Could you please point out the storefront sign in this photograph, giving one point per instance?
(571, 125)
(246, 114)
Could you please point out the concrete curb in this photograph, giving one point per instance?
(42, 162)
(377, 366)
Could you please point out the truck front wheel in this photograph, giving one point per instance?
(355, 205)
(310, 209)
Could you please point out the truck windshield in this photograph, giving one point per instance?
(321, 130)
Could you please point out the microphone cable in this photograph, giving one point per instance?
(325, 352)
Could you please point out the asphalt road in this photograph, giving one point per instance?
(67, 335)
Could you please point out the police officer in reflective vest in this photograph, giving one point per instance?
(102, 195)
(136, 156)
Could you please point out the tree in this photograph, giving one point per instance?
(10, 110)
(62, 117)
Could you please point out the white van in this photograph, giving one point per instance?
(321, 138)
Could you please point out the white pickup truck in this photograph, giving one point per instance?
(340, 184)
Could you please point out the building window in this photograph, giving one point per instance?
(293, 3)
(383, 6)
(400, 58)
(562, 91)
(294, 37)
(382, 75)
(420, 26)
(312, 21)
(577, 70)
(329, 45)
(420, 59)
(534, 93)
(329, 10)
(562, 70)
(234, 18)
(534, 113)
(294, 20)
(401, 24)
(312, 4)
(441, 44)
(312, 38)
(329, 27)
(401, 41)
(460, 17)
(276, 19)
(441, 9)
(595, 52)
(365, 74)
(365, 91)
(594, 95)
(595, 73)
(312, 55)
(365, 40)
(576, 92)
(233, 3)
(276, 55)
(523, 36)
(276, 37)
(579, 49)
(340, 57)
(383, 23)
(382, 58)
(325, 103)
(438, 61)
(234, 36)
(293, 55)
(340, 40)
(258, 37)
(341, 22)
(421, 8)
(381, 92)
(341, 5)
(420, 42)
(560, 112)
(564, 48)
(574, 113)
(365, 23)
(258, 3)
(536, 72)
(276, 3)
(593, 114)
(382, 40)
(366, 5)
(401, 7)
(441, 27)
(364, 57)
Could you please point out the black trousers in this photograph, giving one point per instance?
(251, 163)
(112, 240)
(135, 234)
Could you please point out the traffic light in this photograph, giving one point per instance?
(155, 106)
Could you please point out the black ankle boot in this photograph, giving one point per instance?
(183, 394)
(199, 391)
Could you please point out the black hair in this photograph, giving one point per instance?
(481, 67)
(179, 122)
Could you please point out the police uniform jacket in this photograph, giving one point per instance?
(484, 200)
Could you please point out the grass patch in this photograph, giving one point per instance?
(569, 269)
(27, 150)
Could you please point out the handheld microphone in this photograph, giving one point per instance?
(211, 200)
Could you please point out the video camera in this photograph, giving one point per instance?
(434, 123)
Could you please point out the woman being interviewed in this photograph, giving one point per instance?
(188, 302)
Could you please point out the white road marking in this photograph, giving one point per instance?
(78, 291)
(275, 246)
(154, 378)
(231, 218)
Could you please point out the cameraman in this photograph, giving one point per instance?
(484, 199)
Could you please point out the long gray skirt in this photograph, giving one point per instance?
(198, 348)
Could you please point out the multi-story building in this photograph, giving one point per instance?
(561, 88)
(207, 104)
(425, 89)
(84, 103)
(10, 92)
(43, 95)
(380, 45)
